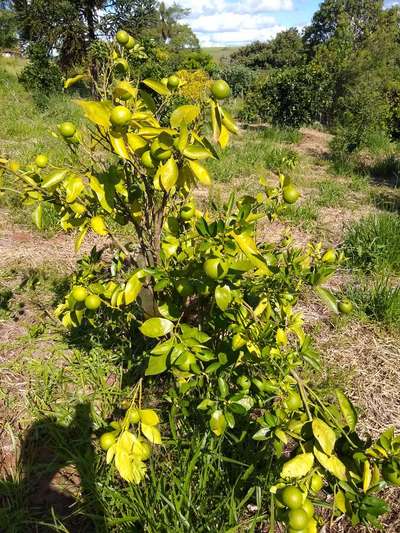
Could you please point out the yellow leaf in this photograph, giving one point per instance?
(136, 142)
(299, 466)
(367, 476)
(126, 441)
(169, 174)
(119, 146)
(151, 433)
(133, 288)
(333, 464)
(97, 112)
(79, 238)
(224, 137)
(324, 434)
(149, 417)
(340, 501)
(37, 216)
(110, 453)
(200, 172)
(184, 114)
(71, 81)
(73, 186)
(98, 225)
(124, 465)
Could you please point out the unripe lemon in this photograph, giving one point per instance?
(292, 497)
(122, 37)
(92, 302)
(298, 519)
(184, 288)
(79, 293)
(134, 415)
(173, 82)
(308, 507)
(188, 211)
(120, 116)
(214, 268)
(106, 441)
(293, 401)
(290, 194)
(345, 306)
(131, 43)
(41, 160)
(67, 129)
(164, 81)
(317, 482)
(220, 89)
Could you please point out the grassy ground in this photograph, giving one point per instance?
(57, 391)
(219, 52)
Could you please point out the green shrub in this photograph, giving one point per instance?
(240, 78)
(41, 76)
(373, 242)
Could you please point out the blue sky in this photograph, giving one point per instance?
(237, 22)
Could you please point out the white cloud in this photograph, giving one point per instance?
(230, 22)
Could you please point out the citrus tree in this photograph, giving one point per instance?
(210, 311)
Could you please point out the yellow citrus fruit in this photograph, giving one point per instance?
(290, 194)
(67, 129)
(79, 293)
(293, 401)
(292, 497)
(173, 82)
(107, 440)
(147, 160)
(120, 116)
(41, 160)
(122, 37)
(130, 43)
(92, 302)
(298, 519)
(220, 89)
(215, 268)
(329, 256)
(345, 306)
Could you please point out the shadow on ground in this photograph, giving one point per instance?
(57, 467)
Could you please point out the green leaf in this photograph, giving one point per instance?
(156, 327)
(333, 464)
(157, 365)
(299, 466)
(347, 409)
(157, 87)
(73, 187)
(133, 287)
(328, 298)
(119, 146)
(262, 434)
(185, 113)
(218, 423)
(223, 297)
(37, 216)
(97, 112)
(324, 435)
(200, 172)
(54, 178)
(196, 151)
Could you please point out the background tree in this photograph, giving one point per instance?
(8, 26)
(134, 16)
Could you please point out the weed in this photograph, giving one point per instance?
(303, 215)
(331, 193)
(282, 135)
(373, 242)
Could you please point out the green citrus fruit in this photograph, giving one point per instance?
(41, 160)
(131, 43)
(120, 116)
(345, 306)
(214, 268)
(164, 81)
(290, 194)
(122, 37)
(292, 497)
(67, 129)
(292, 530)
(188, 211)
(329, 256)
(293, 401)
(107, 440)
(92, 302)
(317, 482)
(298, 519)
(79, 293)
(243, 382)
(220, 89)
(308, 508)
(121, 64)
(147, 160)
(173, 82)
(184, 288)
(134, 415)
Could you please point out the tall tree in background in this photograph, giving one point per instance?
(363, 15)
(8, 26)
(134, 16)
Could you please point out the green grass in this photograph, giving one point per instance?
(331, 193)
(219, 52)
(252, 155)
(378, 301)
(282, 135)
(304, 215)
(373, 243)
